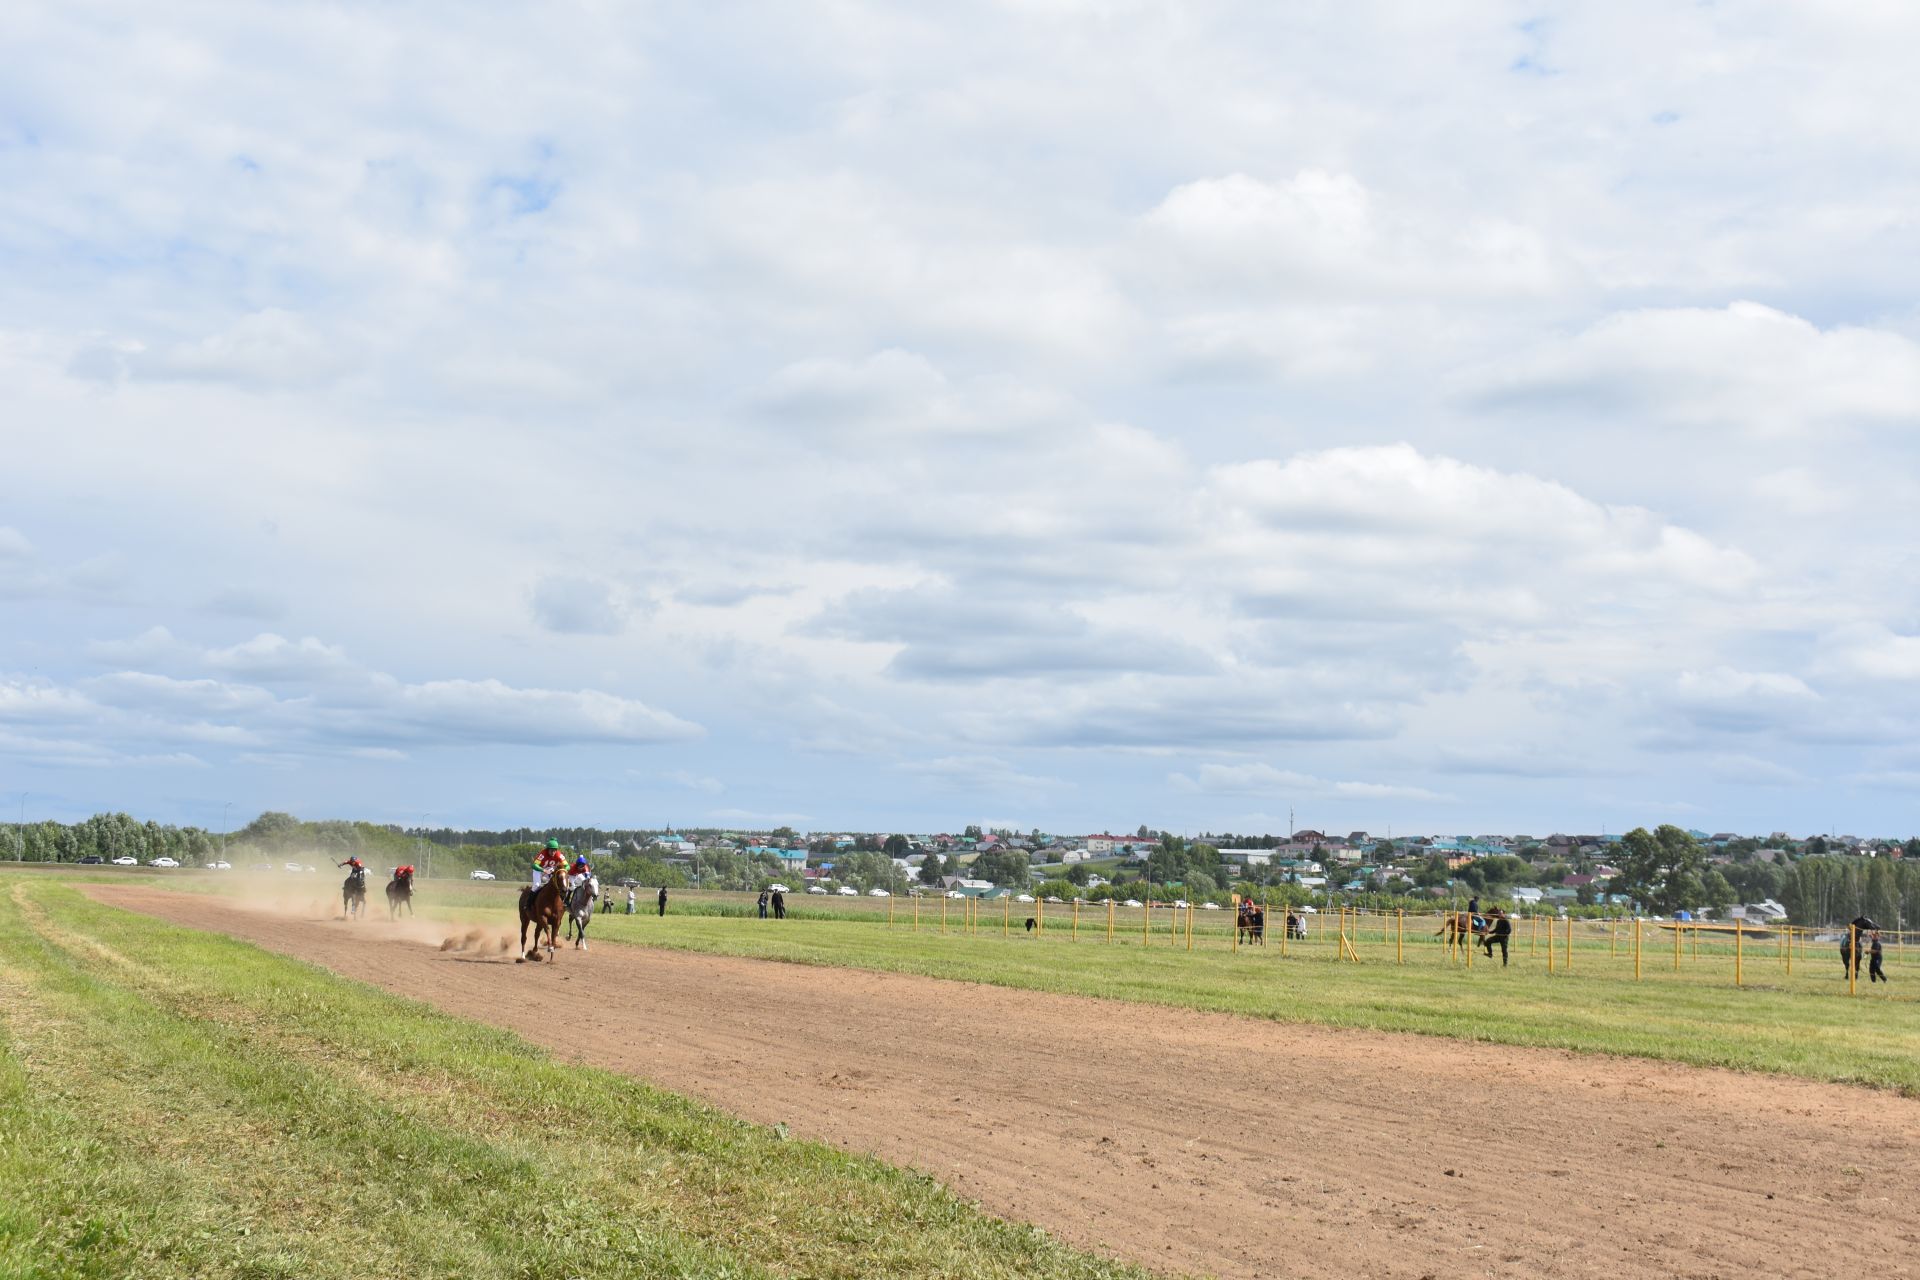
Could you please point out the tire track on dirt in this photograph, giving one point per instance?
(1206, 1142)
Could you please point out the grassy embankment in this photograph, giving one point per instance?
(175, 1103)
(1801, 1024)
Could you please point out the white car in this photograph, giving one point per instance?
(1025, 897)
(163, 862)
(219, 866)
(313, 869)
(814, 888)
(778, 888)
(878, 893)
(294, 866)
(1209, 906)
(1051, 898)
(1131, 902)
(847, 891)
(124, 861)
(955, 893)
(478, 874)
(1179, 904)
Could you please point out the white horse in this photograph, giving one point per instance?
(581, 896)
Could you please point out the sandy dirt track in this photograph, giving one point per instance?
(1206, 1143)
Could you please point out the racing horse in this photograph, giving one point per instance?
(542, 908)
(400, 892)
(353, 894)
(580, 909)
(1461, 928)
(1251, 923)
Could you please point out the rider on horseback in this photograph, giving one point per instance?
(581, 871)
(550, 862)
(358, 871)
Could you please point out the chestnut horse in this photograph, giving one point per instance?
(543, 908)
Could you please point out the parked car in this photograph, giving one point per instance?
(293, 866)
(124, 861)
(163, 862)
(814, 888)
(1051, 898)
(847, 891)
(1025, 897)
(955, 893)
(478, 874)
(1179, 904)
(1131, 902)
(1209, 906)
(878, 893)
(219, 866)
(778, 888)
(313, 868)
(92, 859)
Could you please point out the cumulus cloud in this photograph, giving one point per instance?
(577, 606)
(1745, 366)
(1265, 779)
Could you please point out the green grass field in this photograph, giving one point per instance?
(175, 1103)
(1803, 1024)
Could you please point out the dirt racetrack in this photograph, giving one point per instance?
(1196, 1142)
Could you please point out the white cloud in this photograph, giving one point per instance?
(1265, 779)
(577, 606)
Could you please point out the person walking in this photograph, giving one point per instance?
(663, 900)
(1874, 972)
(779, 905)
(763, 904)
(629, 899)
(1500, 929)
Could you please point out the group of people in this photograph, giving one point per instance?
(1868, 936)
(770, 898)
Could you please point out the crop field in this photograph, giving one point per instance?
(272, 1089)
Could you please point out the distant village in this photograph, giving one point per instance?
(1738, 875)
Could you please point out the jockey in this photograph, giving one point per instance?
(581, 871)
(551, 861)
(355, 869)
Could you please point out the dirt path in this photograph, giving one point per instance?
(1203, 1142)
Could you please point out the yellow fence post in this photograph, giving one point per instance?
(1109, 919)
(943, 912)
(1676, 946)
(1788, 939)
(1399, 935)
(1146, 921)
(1189, 926)
(1569, 963)
(1466, 942)
(1636, 948)
(1853, 959)
(1040, 915)
(1549, 946)
(1234, 901)
(1739, 937)
(1075, 935)
(916, 914)
(1006, 914)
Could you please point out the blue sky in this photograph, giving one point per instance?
(1060, 414)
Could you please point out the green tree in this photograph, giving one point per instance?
(897, 846)
(1077, 874)
(1662, 869)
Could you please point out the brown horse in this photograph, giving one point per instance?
(1459, 929)
(353, 894)
(400, 893)
(543, 908)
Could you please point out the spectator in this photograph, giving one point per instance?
(1874, 972)
(779, 905)
(663, 900)
(629, 900)
(763, 904)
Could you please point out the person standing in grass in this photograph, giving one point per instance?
(763, 904)
(779, 905)
(629, 899)
(1874, 972)
(663, 900)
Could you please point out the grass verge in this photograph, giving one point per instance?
(174, 1103)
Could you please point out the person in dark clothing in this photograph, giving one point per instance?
(663, 900)
(763, 904)
(1499, 929)
(1874, 972)
(779, 905)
